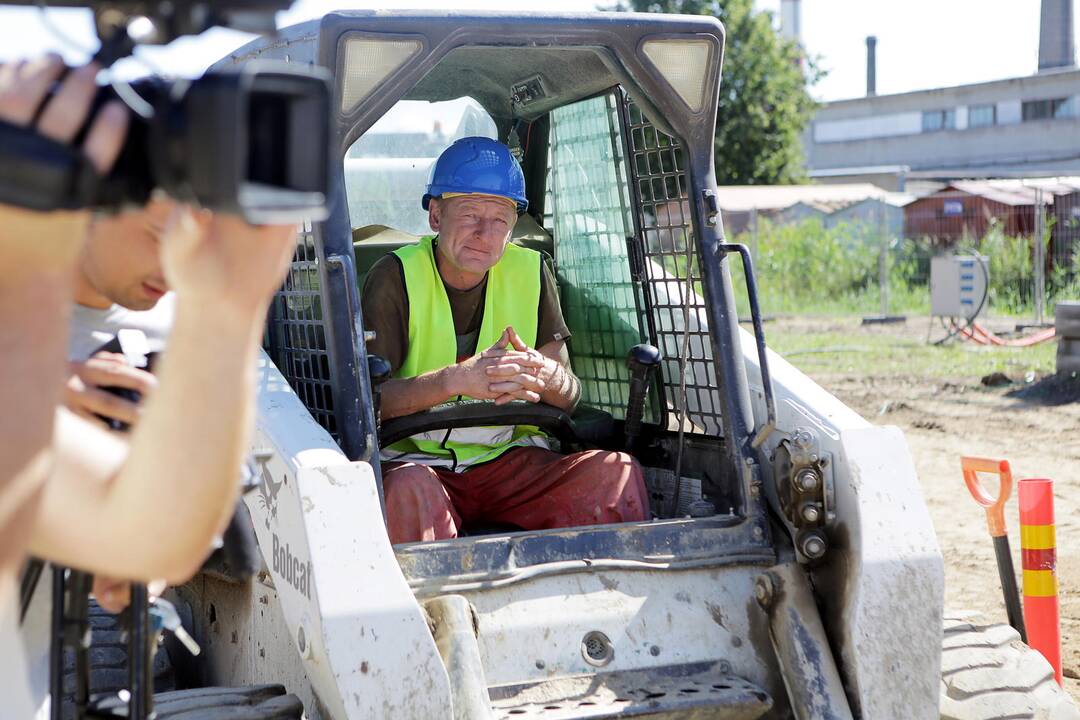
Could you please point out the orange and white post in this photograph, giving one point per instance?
(1038, 546)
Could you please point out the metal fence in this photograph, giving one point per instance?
(622, 233)
(873, 257)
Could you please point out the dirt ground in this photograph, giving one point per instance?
(949, 413)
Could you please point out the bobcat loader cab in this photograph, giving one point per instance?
(790, 568)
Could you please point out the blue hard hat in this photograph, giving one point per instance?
(477, 165)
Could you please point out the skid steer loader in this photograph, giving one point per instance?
(789, 568)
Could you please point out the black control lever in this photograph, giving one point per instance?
(641, 359)
(379, 372)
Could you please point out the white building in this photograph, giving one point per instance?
(1018, 126)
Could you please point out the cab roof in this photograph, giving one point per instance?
(484, 54)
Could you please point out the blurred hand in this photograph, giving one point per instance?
(221, 260)
(114, 595)
(24, 85)
(83, 394)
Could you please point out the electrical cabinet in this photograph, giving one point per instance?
(958, 285)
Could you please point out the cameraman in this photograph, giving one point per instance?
(71, 492)
(119, 284)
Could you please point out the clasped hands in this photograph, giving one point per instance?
(508, 370)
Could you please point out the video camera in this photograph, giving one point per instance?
(252, 140)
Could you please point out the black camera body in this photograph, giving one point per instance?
(252, 140)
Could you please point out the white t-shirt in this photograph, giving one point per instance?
(91, 328)
(16, 702)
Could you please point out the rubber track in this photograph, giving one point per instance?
(1067, 309)
(108, 660)
(987, 673)
(108, 673)
(1068, 328)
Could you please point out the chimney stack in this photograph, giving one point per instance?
(871, 66)
(1057, 47)
(791, 20)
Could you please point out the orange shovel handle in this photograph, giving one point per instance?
(995, 506)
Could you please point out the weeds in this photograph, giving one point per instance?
(808, 268)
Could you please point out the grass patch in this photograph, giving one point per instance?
(842, 346)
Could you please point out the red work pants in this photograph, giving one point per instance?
(529, 487)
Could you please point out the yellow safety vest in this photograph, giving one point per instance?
(512, 297)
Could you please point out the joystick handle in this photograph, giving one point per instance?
(641, 359)
(379, 372)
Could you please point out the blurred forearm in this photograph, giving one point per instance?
(34, 307)
(155, 513)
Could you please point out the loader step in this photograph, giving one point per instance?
(686, 692)
(255, 702)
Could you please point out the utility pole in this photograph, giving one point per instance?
(883, 259)
(1039, 259)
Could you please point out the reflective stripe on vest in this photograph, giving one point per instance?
(511, 298)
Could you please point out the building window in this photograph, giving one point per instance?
(982, 116)
(933, 120)
(952, 208)
(1047, 109)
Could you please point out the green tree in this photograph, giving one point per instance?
(765, 102)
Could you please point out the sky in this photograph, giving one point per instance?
(921, 43)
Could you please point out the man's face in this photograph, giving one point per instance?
(473, 230)
(121, 258)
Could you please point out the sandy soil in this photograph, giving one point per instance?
(946, 418)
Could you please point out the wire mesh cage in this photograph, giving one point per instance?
(628, 265)
(591, 223)
(672, 267)
(296, 332)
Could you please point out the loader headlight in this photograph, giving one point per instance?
(369, 61)
(684, 63)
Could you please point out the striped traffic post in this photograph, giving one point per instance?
(1038, 546)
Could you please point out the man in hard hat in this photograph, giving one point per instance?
(463, 316)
